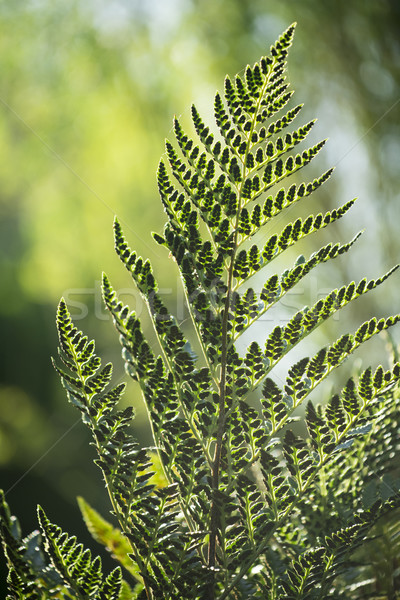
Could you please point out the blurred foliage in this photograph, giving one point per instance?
(88, 91)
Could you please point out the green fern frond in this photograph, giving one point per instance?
(215, 182)
(248, 506)
(81, 575)
(30, 575)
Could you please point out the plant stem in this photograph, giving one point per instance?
(214, 516)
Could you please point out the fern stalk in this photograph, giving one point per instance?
(214, 517)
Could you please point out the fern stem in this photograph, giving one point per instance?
(214, 516)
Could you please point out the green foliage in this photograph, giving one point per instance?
(244, 506)
(111, 537)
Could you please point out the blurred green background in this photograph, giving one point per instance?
(87, 95)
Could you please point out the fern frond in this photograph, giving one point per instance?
(248, 507)
(81, 575)
(215, 180)
(29, 573)
(148, 516)
(315, 570)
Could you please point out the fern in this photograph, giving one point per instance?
(240, 505)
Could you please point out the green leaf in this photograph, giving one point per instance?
(109, 536)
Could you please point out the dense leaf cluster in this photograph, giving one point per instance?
(232, 501)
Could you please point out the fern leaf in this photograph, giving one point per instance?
(111, 537)
(29, 574)
(81, 575)
(237, 512)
